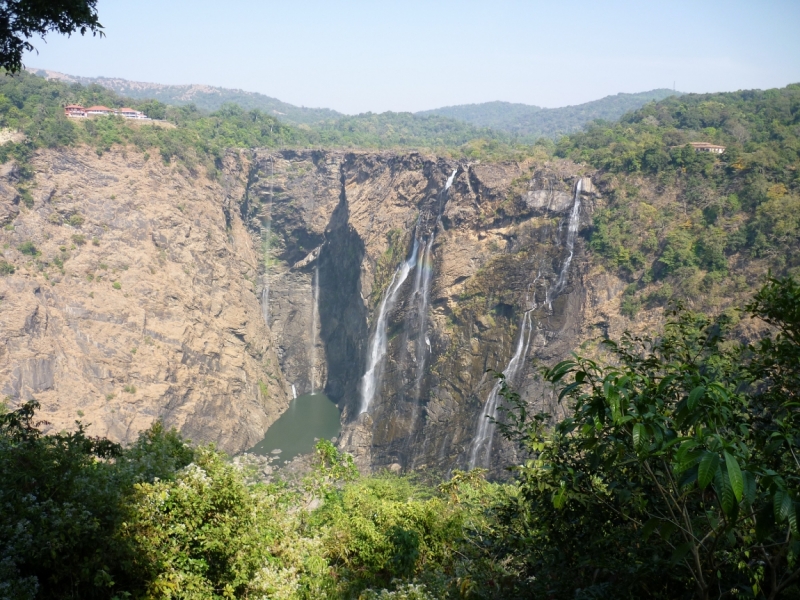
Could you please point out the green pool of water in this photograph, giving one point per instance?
(309, 416)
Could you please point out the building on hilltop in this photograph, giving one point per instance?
(129, 113)
(74, 110)
(77, 111)
(707, 147)
(98, 110)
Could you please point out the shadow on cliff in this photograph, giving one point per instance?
(343, 316)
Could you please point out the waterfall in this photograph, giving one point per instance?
(294, 392)
(425, 270)
(425, 275)
(314, 318)
(485, 434)
(482, 443)
(572, 230)
(379, 342)
(266, 231)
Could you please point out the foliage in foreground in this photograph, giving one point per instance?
(676, 475)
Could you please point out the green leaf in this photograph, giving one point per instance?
(708, 467)
(649, 528)
(639, 436)
(749, 488)
(735, 476)
(695, 395)
(724, 491)
(680, 552)
(782, 503)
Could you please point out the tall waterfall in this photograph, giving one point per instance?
(377, 348)
(314, 317)
(482, 443)
(481, 450)
(572, 230)
(425, 271)
(425, 274)
(419, 260)
(266, 232)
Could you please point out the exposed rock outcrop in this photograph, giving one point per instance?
(136, 301)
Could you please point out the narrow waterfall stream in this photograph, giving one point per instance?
(377, 347)
(481, 449)
(482, 444)
(420, 259)
(572, 230)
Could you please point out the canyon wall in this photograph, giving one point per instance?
(133, 298)
(298, 270)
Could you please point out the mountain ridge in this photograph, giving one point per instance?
(531, 122)
(524, 121)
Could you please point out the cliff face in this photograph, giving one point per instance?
(138, 301)
(391, 282)
(453, 280)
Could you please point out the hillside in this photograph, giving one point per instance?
(192, 275)
(204, 97)
(532, 122)
(693, 226)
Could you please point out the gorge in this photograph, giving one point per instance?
(394, 283)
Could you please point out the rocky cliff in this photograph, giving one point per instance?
(133, 298)
(392, 282)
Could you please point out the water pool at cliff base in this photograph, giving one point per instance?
(309, 416)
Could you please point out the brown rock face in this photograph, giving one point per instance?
(231, 292)
(479, 257)
(136, 302)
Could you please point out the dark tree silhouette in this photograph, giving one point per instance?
(22, 19)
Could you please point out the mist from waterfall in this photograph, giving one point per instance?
(378, 344)
(314, 319)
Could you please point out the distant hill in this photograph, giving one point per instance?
(531, 122)
(205, 97)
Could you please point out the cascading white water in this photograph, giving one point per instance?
(425, 269)
(378, 344)
(294, 392)
(314, 318)
(572, 230)
(485, 434)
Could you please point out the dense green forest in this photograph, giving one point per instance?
(529, 123)
(35, 106)
(679, 222)
(675, 475)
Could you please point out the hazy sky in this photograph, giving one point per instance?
(412, 55)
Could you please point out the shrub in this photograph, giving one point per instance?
(129, 389)
(28, 248)
(79, 239)
(6, 268)
(76, 220)
(116, 285)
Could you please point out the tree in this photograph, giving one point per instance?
(676, 472)
(22, 19)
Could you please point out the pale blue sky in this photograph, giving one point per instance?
(357, 56)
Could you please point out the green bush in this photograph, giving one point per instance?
(28, 248)
(6, 268)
